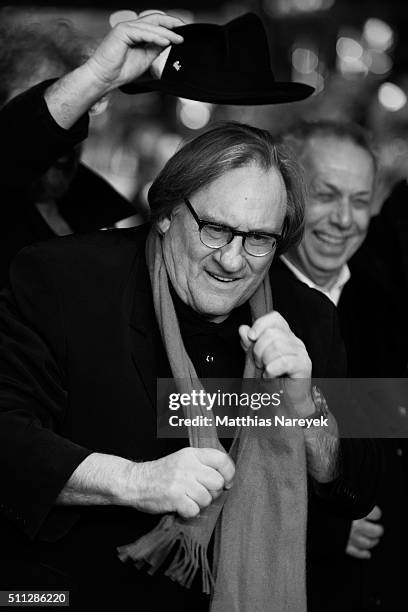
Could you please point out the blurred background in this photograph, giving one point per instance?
(353, 52)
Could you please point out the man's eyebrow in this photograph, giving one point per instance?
(322, 183)
(209, 218)
(363, 192)
(327, 185)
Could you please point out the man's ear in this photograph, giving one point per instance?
(164, 221)
(163, 224)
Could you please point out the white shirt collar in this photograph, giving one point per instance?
(334, 292)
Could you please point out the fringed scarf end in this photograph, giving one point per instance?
(152, 550)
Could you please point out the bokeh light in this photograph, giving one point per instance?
(348, 48)
(304, 60)
(194, 115)
(381, 63)
(392, 97)
(378, 34)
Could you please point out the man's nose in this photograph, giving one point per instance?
(343, 213)
(231, 257)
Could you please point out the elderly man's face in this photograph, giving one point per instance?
(215, 281)
(340, 177)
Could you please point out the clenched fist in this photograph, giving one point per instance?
(279, 353)
(365, 535)
(183, 482)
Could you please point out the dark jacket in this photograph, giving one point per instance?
(80, 352)
(373, 318)
(374, 326)
(31, 141)
(328, 576)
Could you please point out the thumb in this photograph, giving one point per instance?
(119, 16)
(375, 514)
(246, 343)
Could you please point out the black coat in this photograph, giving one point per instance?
(31, 141)
(80, 352)
(374, 324)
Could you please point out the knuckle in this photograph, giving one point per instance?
(185, 453)
(215, 493)
(270, 317)
(280, 320)
(299, 344)
(188, 510)
(206, 499)
(270, 369)
(231, 468)
(206, 453)
(228, 467)
(224, 460)
(218, 482)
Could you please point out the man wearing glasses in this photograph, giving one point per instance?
(89, 324)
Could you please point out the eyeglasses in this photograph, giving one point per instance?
(216, 236)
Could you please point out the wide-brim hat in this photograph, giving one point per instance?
(221, 64)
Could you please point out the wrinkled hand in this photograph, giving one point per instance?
(183, 482)
(279, 353)
(364, 535)
(130, 48)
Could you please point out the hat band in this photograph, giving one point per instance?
(216, 79)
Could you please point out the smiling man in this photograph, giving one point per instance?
(90, 323)
(340, 171)
(213, 280)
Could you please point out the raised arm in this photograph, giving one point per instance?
(44, 123)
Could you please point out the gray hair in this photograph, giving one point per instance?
(298, 137)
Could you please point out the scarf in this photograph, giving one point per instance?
(260, 523)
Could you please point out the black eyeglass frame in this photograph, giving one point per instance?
(201, 224)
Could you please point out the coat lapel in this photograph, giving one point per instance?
(143, 331)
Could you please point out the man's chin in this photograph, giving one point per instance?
(216, 312)
(326, 272)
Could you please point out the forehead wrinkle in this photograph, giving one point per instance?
(254, 202)
(324, 155)
(216, 220)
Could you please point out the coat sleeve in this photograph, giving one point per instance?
(31, 140)
(353, 493)
(36, 460)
